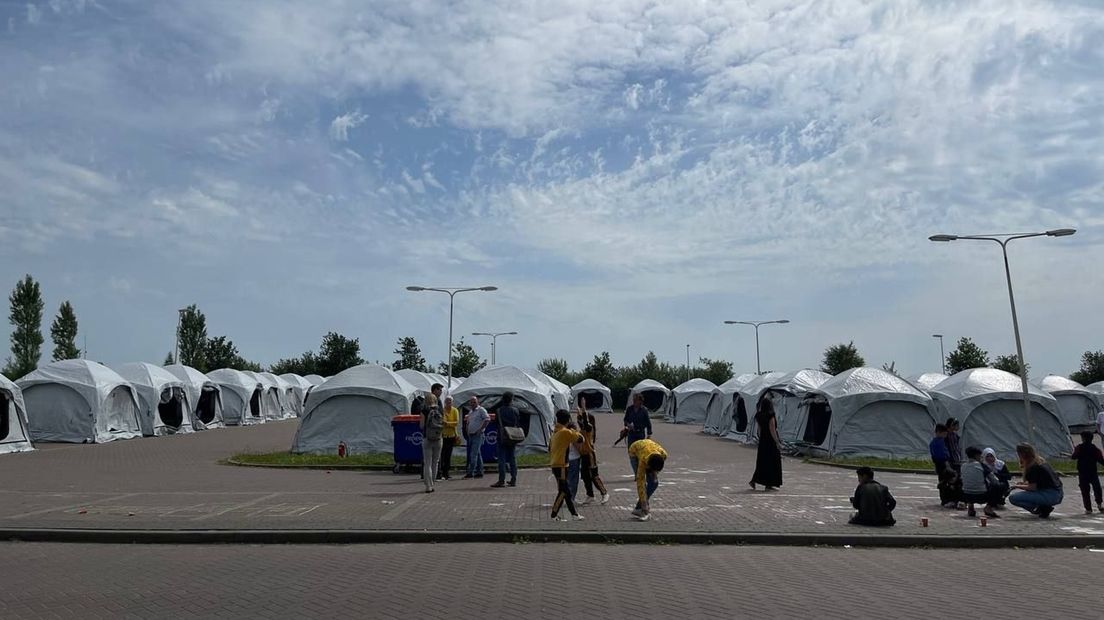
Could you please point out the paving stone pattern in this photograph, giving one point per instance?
(177, 483)
(408, 582)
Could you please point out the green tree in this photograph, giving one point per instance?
(410, 356)
(169, 361)
(465, 361)
(220, 352)
(554, 367)
(841, 357)
(192, 336)
(338, 353)
(966, 355)
(64, 333)
(1092, 368)
(1009, 363)
(891, 368)
(600, 369)
(649, 367)
(26, 318)
(715, 371)
(306, 364)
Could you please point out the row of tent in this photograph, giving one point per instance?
(79, 401)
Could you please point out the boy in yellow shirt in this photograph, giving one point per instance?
(648, 458)
(561, 441)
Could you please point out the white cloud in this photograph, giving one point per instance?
(339, 128)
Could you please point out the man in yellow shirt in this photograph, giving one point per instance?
(450, 438)
(648, 458)
(562, 439)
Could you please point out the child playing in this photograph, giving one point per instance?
(1088, 457)
(873, 500)
(558, 447)
(979, 484)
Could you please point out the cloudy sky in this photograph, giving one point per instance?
(629, 173)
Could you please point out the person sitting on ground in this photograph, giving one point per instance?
(1000, 469)
(562, 439)
(873, 501)
(979, 484)
(1041, 489)
(647, 458)
(1088, 457)
(948, 496)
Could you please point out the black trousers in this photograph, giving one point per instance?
(591, 479)
(1086, 482)
(446, 456)
(563, 494)
(949, 485)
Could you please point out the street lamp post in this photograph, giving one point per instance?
(687, 362)
(451, 292)
(176, 347)
(1003, 240)
(942, 355)
(494, 342)
(756, 324)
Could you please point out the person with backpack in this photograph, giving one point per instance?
(509, 423)
(432, 423)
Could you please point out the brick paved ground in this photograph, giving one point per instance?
(176, 483)
(557, 580)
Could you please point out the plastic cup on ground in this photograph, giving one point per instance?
(923, 522)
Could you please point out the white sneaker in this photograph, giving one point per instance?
(637, 513)
(644, 517)
(583, 502)
(577, 517)
(605, 498)
(559, 518)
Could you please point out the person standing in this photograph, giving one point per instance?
(768, 458)
(945, 475)
(507, 416)
(873, 501)
(432, 423)
(638, 422)
(450, 438)
(562, 438)
(1041, 489)
(1088, 457)
(589, 460)
(954, 445)
(648, 459)
(478, 419)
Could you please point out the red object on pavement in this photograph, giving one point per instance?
(342, 449)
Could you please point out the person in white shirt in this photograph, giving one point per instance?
(478, 419)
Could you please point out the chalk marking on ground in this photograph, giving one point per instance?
(401, 508)
(91, 502)
(219, 513)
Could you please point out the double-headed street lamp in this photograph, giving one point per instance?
(942, 355)
(756, 324)
(494, 341)
(451, 292)
(1003, 240)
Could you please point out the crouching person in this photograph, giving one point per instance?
(873, 501)
(980, 484)
(647, 458)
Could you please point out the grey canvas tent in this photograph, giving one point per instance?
(718, 416)
(1076, 403)
(14, 436)
(78, 401)
(285, 394)
(272, 403)
(300, 387)
(1097, 389)
(596, 397)
(314, 379)
(928, 380)
(354, 406)
(743, 427)
(786, 393)
(422, 381)
(654, 393)
(989, 405)
(162, 401)
(560, 392)
(866, 412)
(532, 398)
(204, 396)
(689, 402)
(242, 395)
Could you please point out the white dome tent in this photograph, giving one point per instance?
(14, 436)
(422, 381)
(272, 407)
(654, 393)
(867, 412)
(560, 392)
(285, 393)
(315, 379)
(989, 405)
(78, 401)
(689, 402)
(1097, 389)
(718, 417)
(241, 396)
(743, 427)
(204, 396)
(1076, 403)
(928, 380)
(161, 397)
(300, 387)
(786, 393)
(597, 397)
(354, 406)
(532, 398)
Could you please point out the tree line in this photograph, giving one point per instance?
(338, 352)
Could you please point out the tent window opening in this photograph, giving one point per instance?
(653, 399)
(526, 410)
(820, 419)
(740, 416)
(593, 400)
(5, 416)
(171, 409)
(255, 404)
(205, 409)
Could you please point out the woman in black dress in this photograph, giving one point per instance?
(768, 460)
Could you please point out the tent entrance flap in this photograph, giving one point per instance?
(5, 416)
(171, 408)
(205, 409)
(255, 404)
(653, 399)
(527, 413)
(592, 399)
(740, 416)
(818, 423)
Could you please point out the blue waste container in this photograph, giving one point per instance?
(408, 441)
